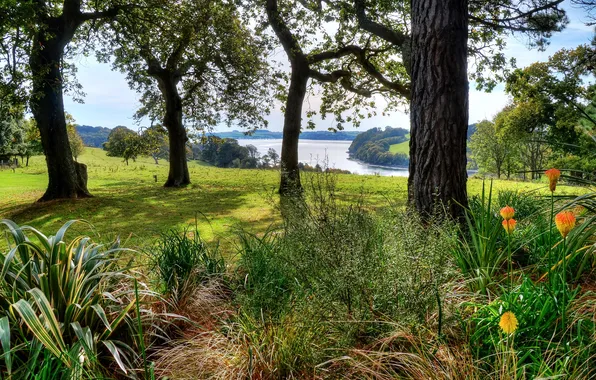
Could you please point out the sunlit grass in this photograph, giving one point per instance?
(403, 147)
(129, 203)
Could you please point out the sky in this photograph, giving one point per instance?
(109, 101)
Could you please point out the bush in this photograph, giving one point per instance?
(67, 307)
(479, 252)
(337, 262)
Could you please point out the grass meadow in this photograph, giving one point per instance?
(129, 203)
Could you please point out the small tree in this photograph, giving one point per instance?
(273, 156)
(74, 139)
(196, 63)
(119, 143)
(32, 140)
(493, 152)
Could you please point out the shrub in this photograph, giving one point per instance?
(67, 306)
(346, 264)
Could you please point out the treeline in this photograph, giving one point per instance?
(373, 146)
(306, 135)
(93, 136)
(227, 153)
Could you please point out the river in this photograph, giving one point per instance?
(320, 151)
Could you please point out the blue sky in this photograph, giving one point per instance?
(109, 102)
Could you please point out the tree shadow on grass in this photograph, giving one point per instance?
(141, 213)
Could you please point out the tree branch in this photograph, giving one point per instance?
(283, 33)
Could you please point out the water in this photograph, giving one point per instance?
(336, 152)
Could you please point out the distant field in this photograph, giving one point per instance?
(403, 147)
(128, 202)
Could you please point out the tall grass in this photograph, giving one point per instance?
(182, 260)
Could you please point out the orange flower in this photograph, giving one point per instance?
(507, 212)
(565, 221)
(553, 177)
(509, 225)
(508, 322)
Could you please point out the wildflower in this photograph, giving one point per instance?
(565, 221)
(509, 225)
(553, 177)
(508, 322)
(507, 212)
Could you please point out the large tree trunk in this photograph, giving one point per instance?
(178, 175)
(439, 106)
(67, 178)
(290, 173)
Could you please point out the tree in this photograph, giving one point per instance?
(122, 142)
(522, 123)
(434, 53)
(253, 152)
(193, 61)
(12, 138)
(327, 63)
(32, 139)
(494, 152)
(273, 156)
(556, 89)
(74, 139)
(154, 141)
(43, 32)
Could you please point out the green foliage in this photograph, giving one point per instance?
(341, 263)
(12, 138)
(493, 152)
(183, 260)
(74, 139)
(205, 50)
(64, 301)
(480, 252)
(538, 309)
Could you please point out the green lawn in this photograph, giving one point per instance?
(403, 147)
(129, 203)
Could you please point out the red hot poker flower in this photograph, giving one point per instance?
(509, 225)
(507, 212)
(565, 221)
(553, 177)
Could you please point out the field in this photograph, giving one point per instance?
(129, 203)
(403, 147)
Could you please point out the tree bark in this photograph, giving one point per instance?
(67, 178)
(439, 106)
(290, 173)
(178, 175)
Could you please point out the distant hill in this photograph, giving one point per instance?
(390, 146)
(375, 146)
(96, 136)
(307, 135)
(93, 136)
